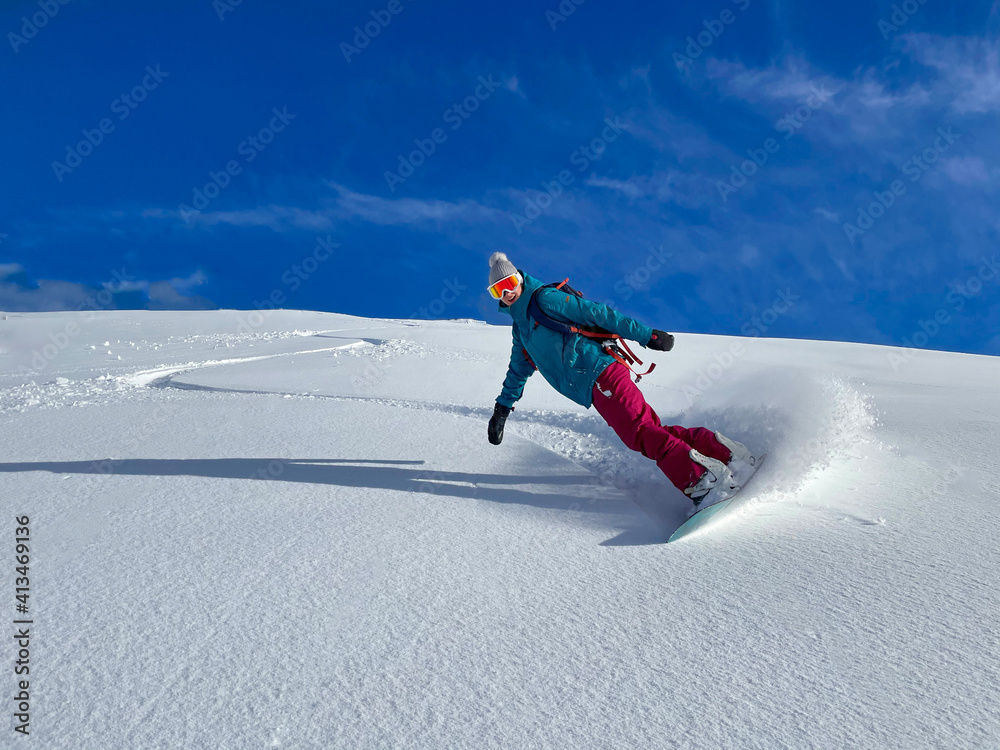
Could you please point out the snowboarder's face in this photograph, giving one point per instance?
(510, 297)
(503, 288)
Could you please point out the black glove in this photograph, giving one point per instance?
(661, 341)
(496, 423)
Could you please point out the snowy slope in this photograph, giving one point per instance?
(294, 533)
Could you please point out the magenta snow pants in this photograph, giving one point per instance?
(624, 408)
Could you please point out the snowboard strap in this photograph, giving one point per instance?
(611, 343)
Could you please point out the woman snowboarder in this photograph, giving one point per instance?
(705, 466)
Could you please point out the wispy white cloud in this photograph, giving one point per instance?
(343, 206)
(881, 118)
(793, 80)
(748, 255)
(170, 295)
(828, 215)
(19, 294)
(10, 269)
(966, 170)
(189, 282)
(844, 268)
(45, 296)
(412, 211)
(513, 85)
(628, 188)
(277, 218)
(967, 80)
(968, 69)
(664, 185)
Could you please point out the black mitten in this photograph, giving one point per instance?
(500, 413)
(661, 341)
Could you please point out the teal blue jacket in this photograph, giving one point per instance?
(570, 364)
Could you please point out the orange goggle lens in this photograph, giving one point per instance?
(504, 285)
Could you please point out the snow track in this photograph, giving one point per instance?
(809, 423)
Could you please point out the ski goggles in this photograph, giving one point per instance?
(505, 285)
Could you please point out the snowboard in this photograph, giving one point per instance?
(717, 510)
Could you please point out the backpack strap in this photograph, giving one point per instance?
(542, 318)
(620, 351)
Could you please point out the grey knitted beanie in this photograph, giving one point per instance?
(500, 268)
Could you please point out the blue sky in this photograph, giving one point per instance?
(812, 170)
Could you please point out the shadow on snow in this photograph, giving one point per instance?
(399, 475)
